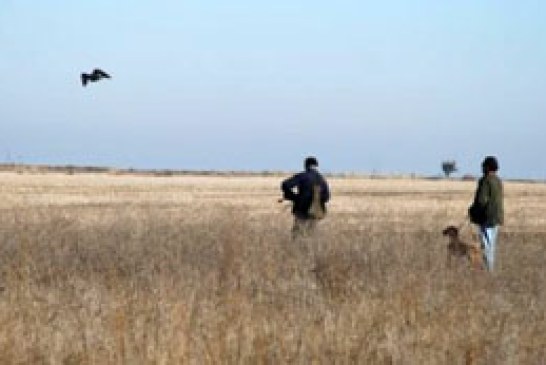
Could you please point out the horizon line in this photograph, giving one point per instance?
(71, 169)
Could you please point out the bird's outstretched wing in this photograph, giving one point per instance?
(101, 73)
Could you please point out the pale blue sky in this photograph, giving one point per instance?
(390, 86)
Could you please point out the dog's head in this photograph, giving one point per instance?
(451, 231)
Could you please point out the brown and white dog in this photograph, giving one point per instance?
(459, 249)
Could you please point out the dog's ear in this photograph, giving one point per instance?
(450, 231)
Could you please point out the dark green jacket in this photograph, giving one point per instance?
(489, 200)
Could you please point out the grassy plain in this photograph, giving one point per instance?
(105, 269)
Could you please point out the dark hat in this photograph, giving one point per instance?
(310, 161)
(490, 164)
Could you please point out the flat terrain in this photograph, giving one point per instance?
(106, 269)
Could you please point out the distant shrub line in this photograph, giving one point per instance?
(75, 169)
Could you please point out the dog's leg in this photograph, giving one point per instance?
(474, 256)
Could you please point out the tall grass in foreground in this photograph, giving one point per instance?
(111, 284)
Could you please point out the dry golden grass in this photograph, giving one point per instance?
(99, 269)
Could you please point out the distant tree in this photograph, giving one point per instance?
(449, 167)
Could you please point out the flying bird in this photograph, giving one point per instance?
(96, 75)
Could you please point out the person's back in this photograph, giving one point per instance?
(305, 182)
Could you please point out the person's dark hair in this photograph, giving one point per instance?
(490, 164)
(310, 162)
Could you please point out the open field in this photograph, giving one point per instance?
(104, 269)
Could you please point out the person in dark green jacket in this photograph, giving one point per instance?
(487, 210)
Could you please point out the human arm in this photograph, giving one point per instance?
(484, 193)
(287, 187)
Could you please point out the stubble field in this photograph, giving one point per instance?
(105, 269)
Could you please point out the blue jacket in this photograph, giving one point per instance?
(302, 198)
